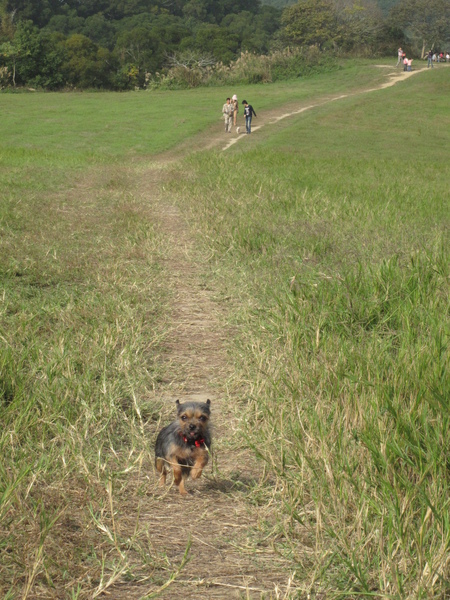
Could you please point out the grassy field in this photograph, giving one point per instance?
(328, 237)
(101, 126)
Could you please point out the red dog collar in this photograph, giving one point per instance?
(197, 443)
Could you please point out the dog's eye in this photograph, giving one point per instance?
(202, 418)
(184, 418)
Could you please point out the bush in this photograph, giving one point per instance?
(248, 68)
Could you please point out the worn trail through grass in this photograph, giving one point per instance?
(274, 116)
(212, 543)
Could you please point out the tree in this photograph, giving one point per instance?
(253, 31)
(10, 53)
(190, 60)
(189, 66)
(50, 72)
(7, 26)
(37, 11)
(163, 36)
(19, 47)
(66, 21)
(425, 22)
(360, 23)
(86, 64)
(100, 30)
(28, 43)
(215, 41)
(278, 3)
(135, 48)
(310, 23)
(196, 9)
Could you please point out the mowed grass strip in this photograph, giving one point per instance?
(329, 237)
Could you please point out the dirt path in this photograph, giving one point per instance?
(215, 528)
(212, 544)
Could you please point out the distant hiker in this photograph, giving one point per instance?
(400, 56)
(405, 64)
(248, 112)
(227, 111)
(430, 59)
(235, 102)
(409, 67)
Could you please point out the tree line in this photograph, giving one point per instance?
(122, 44)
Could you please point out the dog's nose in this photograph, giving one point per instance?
(192, 426)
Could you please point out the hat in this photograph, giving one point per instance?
(234, 97)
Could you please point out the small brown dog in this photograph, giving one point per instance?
(184, 444)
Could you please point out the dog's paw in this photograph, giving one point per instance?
(196, 473)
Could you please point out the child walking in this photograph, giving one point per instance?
(248, 113)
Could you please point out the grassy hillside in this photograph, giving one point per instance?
(101, 127)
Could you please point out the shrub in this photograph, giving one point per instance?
(248, 68)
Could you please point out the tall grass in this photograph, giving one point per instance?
(249, 68)
(81, 318)
(330, 238)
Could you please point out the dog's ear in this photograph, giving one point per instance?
(208, 402)
(178, 406)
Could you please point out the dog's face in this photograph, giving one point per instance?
(193, 418)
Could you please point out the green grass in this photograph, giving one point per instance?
(100, 126)
(82, 316)
(328, 236)
(330, 240)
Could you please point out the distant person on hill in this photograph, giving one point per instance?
(430, 59)
(400, 56)
(248, 113)
(405, 64)
(409, 68)
(447, 57)
(227, 111)
(235, 102)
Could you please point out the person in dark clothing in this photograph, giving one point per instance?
(248, 113)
